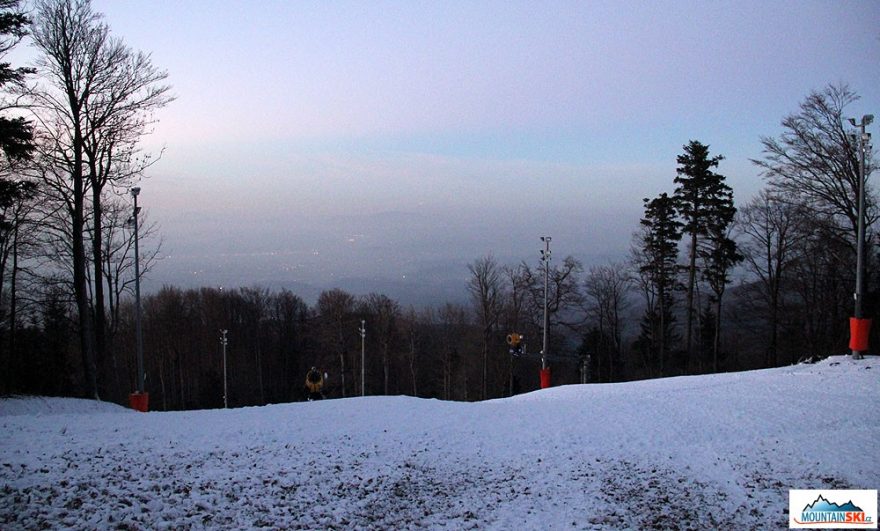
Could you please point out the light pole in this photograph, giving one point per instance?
(223, 343)
(137, 293)
(860, 244)
(363, 331)
(545, 257)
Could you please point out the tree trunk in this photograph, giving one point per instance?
(385, 371)
(485, 368)
(412, 366)
(180, 378)
(13, 293)
(80, 288)
(447, 373)
(662, 333)
(692, 276)
(716, 342)
(98, 263)
(774, 332)
(162, 384)
(341, 340)
(259, 360)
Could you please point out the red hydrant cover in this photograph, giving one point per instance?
(545, 378)
(139, 401)
(859, 330)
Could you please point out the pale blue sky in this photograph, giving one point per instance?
(479, 125)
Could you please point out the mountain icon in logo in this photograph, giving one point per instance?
(823, 505)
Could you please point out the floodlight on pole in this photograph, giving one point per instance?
(545, 257)
(859, 344)
(363, 332)
(137, 293)
(223, 343)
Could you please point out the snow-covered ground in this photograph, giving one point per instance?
(702, 452)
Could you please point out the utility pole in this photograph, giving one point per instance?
(363, 331)
(137, 294)
(223, 343)
(860, 244)
(545, 351)
(545, 257)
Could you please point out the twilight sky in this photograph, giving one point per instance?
(385, 145)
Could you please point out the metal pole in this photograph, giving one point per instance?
(223, 342)
(860, 244)
(363, 331)
(137, 294)
(545, 257)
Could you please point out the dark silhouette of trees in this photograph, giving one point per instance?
(335, 312)
(768, 229)
(16, 133)
(815, 161)
(606, 289)
(822, 287)
(813, 166)
(453, 330)
(384, 318)
(719, 255)
(60, 32)
(16, 194)
(486, 296)
(94, 104)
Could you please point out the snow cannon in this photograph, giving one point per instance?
(514, 340)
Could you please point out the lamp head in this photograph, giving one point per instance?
(135, 191)
(867, 119)
(852, 121)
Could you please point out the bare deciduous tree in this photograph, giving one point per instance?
(453, 323)
(94, 103)
(768, 235)
(335, 309)
(385, 314)
(606, 289)
(815, 160)
(564, 298)
(487, 298)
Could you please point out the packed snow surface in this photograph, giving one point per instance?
(698, 452)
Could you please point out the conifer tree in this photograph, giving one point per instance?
(16, 134)
(657, 256)
(705, 204)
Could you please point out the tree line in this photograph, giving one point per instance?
(77, 119)
(709, 285)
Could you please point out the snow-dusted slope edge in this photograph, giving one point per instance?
(38, 405)
(715, 451)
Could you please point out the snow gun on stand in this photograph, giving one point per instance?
(518, 349)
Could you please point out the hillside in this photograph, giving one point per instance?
(691, 453)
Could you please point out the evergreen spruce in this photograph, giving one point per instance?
(661, 232)
(705, 204)
(16, 134)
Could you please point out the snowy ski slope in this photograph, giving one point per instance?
(718, 451)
